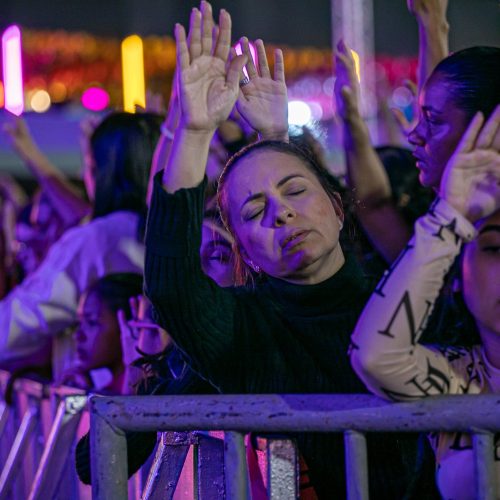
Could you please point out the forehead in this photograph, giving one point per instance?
(264, 169)
(91, 303)
(436, 93)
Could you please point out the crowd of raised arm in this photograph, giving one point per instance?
(213, 250)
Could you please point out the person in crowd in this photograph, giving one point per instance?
(99, 361)
(45, 304)
(386, 352)
(460, 85)
(279, 334)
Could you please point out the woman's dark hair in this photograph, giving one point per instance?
(115, 290)
(122, 146)
(328, 181)
(473, 78)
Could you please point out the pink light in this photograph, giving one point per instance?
(13, 70)
(239, 51)
(95, 99)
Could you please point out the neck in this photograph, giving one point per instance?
(320, 270)
(491, 345)
(116, 385)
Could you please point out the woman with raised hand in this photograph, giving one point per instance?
(386, 352)
(279, 334)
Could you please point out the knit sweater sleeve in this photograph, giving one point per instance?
(197, 313)
(385, 352)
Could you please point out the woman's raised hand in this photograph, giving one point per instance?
(346, 88)
(263, 100)
(471, 179)
(208, 87)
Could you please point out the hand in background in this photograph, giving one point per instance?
(471, 179)
(20, 137)
(263, 100)
(428, 11)
(346, 88)
(404, 124)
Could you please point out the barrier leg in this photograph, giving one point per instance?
(16, 455)
(484, 453)
(356, 463)
(108, 458)
(210, 468)
(282, 469)
(167, 466)
(235, 466)
(4, 415)
(58, 448)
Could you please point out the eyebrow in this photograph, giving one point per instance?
(490, 228)
(280, 183)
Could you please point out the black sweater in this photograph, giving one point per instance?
(274, 337)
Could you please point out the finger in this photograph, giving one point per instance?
(224, 39)
(234, 71)
(489, 131)
(411, 86)
(468, 140)
(401, 120)
(181, 47)
(207, 24)
(122, 321)
(262, 59)
(194, 36)
(134, 307)
(250, 65)
(279, 66)
(215, 36)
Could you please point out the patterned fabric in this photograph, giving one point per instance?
(385, 349)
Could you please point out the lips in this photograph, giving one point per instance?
(293, 239)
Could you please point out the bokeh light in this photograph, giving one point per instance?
(95, 99)
(40, 101)
(299, 113)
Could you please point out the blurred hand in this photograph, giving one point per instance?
(428, 11)
(20, 137)
(471, 179)
(404, 125)
(207, 89)
(263, 100)
(346, 88)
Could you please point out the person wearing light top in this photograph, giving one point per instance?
(45, 304)
(385, 350)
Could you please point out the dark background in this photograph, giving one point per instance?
(288, 22)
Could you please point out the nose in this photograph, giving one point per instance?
(283, 214)
(416, 137)
(80, 336)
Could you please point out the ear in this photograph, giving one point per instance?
(337, 206)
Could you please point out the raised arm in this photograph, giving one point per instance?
(366, 175)
(385, 351)
(263, 100)
(207, 94)
(66, 200)
(433, 29)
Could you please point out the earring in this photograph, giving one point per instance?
(255, 267)
(341, 225)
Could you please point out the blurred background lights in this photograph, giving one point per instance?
(58, 91)
(402, 97)
(95, 99)
(12, 70)
(316, 110)
(40, 101)
(1, 95)
(299, 113)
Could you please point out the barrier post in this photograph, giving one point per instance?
(484, 452)
(282, 468)
(108, 457)
(235, 466)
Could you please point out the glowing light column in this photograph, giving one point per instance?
(134, 93)
(12, 70)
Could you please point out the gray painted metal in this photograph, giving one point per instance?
(484, 452)
(282, 468)
(18, 450)
(167, 466)
(57, 450)
(356, 465)
(307, 413)
(210, 467)
(235, 466)
(108, 460)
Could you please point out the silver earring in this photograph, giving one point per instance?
(255, 267)
(341, 225)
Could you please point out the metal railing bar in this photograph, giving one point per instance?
(282, 469)
(307, 413)
(235, 466)
(484, 452)
(356, 465)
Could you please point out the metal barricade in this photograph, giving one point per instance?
(353, 415)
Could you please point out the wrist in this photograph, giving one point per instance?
(433, 25)
(272, 135)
